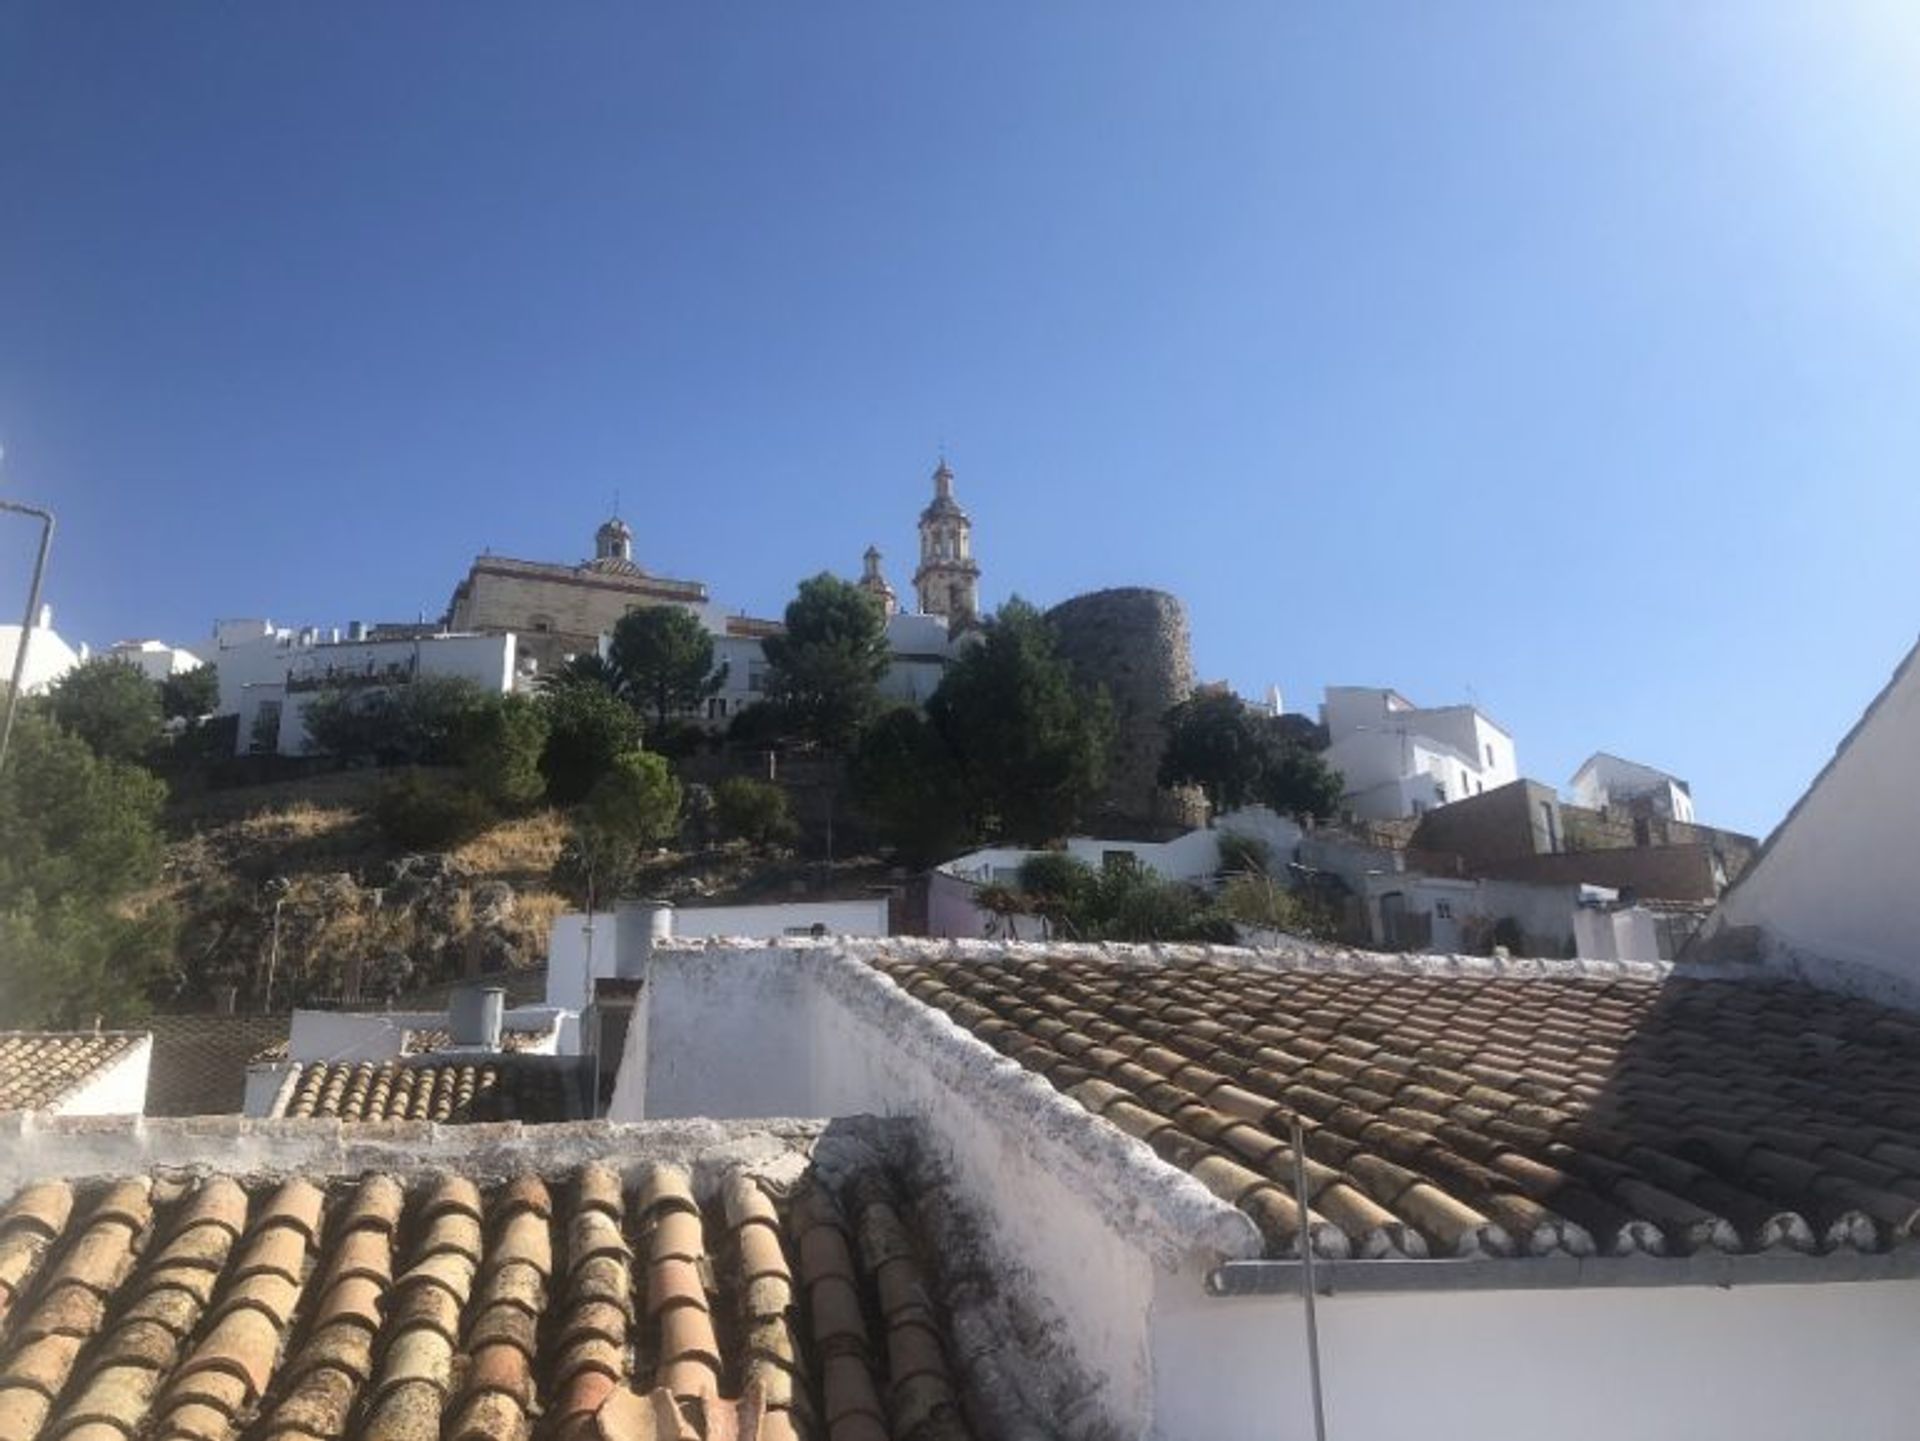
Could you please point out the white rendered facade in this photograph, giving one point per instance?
(1119, 1246)
(48, 656)
(1610, 781)
(1398, 759)
(268, 675)
(156, 659)
(1831, 893)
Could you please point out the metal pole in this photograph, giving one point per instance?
(45, 517)
(1306, 1262)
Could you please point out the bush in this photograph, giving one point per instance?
(588, 730)
(500, 748)
(906, 781)
(111, 705)
(419, 812)
(1269, 905)
(634, 806)
(1244, 855)
(79, 842)
(755, 811)
(416, 723)
(1121, 902)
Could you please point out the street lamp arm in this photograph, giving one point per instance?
(45, 517)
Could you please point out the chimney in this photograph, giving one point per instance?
(641, 926)
(476, 1015)
(46, 617)
(356, 630)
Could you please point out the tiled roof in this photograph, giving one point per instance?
(532, 1088)
(39, 1068)
(200, 1062)
(1449, 1115)
(584, 1308)
(425, 1040)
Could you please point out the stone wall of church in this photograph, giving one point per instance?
(554, 616)
(1134, 642)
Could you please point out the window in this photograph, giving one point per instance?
(1490, 759)
(1443, 910)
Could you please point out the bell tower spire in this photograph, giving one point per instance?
(947, 582)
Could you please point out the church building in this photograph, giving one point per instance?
(558, 610)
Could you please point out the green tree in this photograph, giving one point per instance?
(1213, 742)
(1238, 757)
(500, 749)
(908, 784)
(634, 807)
(1124, 901)
(755, 811)
(79, 837)
(111, 705)
(418, 811)
(661, 661)
(588, 730)
(418, 723)
(191, 694)
(1297, 782)
(823, 674)
(1031, 747)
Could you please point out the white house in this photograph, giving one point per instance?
(75, 1073)
(1832, 893)
(1399, 759)
(1607, 780)
(919, 649)
(48, 656)
(269, 675)
(1194, 858)
(1119, 1118)
(156, 659)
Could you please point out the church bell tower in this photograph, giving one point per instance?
(948, 580)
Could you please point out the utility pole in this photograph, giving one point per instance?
(45, 517)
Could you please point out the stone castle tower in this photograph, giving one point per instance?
(1133, 643)
(948, 580)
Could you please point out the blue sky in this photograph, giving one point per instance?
(1565, 358)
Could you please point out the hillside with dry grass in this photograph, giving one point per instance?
(361, 920)
(358, 918)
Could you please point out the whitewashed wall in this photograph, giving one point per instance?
(260, 668)
(1094, 1220)
(117, 1089)
(812, 1034)
(1833, 891)
(48, 657)
(1669, 1363)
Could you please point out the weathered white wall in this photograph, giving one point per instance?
(260, 666)
(1668, 1363)
(382, 1035)
(156, 659)
(1393, 755)
(48, 656)
(1834, 889)
(117, 1089)
(864, 917)
(806, 1031)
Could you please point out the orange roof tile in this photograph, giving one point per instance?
(1498, 1115)
(40, 1068)
(523, 1088)
(581, 1307)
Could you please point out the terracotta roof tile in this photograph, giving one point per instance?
(524, 1088)
(1505, 1115)
(583, 1307)
(40, 1068)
